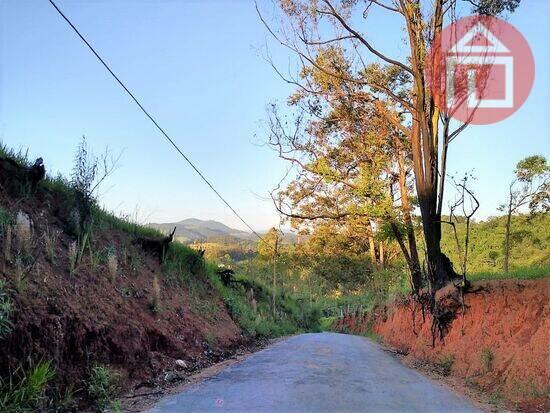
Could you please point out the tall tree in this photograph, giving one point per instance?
(354, 165)
(269, 250)
(400, 83)
(533, 178)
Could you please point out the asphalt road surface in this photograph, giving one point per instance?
(317, 373)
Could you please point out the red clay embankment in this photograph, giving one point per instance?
(500, 345)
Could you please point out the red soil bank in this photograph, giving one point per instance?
(501, 344)
(88, 317)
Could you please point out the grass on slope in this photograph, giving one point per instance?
(184, 266)
(522, 273)
(290, 315)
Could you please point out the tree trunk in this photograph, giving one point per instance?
(507, 238)
(414, 261)
(425, 146)
(275, 252)
(372, 245)
(381, 254)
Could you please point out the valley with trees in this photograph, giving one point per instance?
(375, 235)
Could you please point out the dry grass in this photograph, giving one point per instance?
(112, 265)
(155, 300)
(73, 256)
(23, 233)
(50, 236)
(8, 238)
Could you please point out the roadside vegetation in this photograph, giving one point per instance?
(76, 242)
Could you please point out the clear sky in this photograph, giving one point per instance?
(197, 68)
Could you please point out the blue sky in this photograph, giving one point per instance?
(197, 68)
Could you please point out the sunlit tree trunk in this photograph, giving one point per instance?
(507, 237)
(415, 268)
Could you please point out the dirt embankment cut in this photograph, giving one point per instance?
(118, 307)
(500, 345)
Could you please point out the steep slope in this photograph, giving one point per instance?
(499, 345)
(85, 316)
(119, 307)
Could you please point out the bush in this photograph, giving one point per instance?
(23, 391)
(101, 388)
(5, 311)
(291, 315)
(445, 365)
(325, 323)
(183, 264)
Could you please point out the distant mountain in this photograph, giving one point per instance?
(193, 229)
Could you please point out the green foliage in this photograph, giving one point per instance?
(183, 265)
(523, 273)
(445, 365)
(105, 220)
(6, 219)
(532, 166)
(530, 244)
(494, 7)
(325, 323)
(101, 388)
(5, 311)
(226, 250)
(23, 391)
(371, 335)
(291, 316)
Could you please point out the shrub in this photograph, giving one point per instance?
(50, 237)
(19, 280)
(23, 391)
(292, 315)
(6, 218)
(182, 264)
(101, 388)
(6, 248)
(5, 311)
(487, 358)
(445, 365)
(325, 323)
(6, 223)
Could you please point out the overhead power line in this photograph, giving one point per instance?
(152, 119)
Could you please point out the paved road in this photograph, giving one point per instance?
(317, 373)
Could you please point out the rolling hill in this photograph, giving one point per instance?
(193, 229)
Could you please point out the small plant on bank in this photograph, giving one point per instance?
(23, 391)
(6, 233)
(112, 265)
(20, 276)
(487, 358)
(445, 365)
(73, 257)
(5, 311)
(154, 305)
(210, 339)
(23, 233)
(101, 388)
(6, 247)
(50, 237)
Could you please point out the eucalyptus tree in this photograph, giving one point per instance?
(309, 27)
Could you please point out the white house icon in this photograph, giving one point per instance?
(465, 52)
